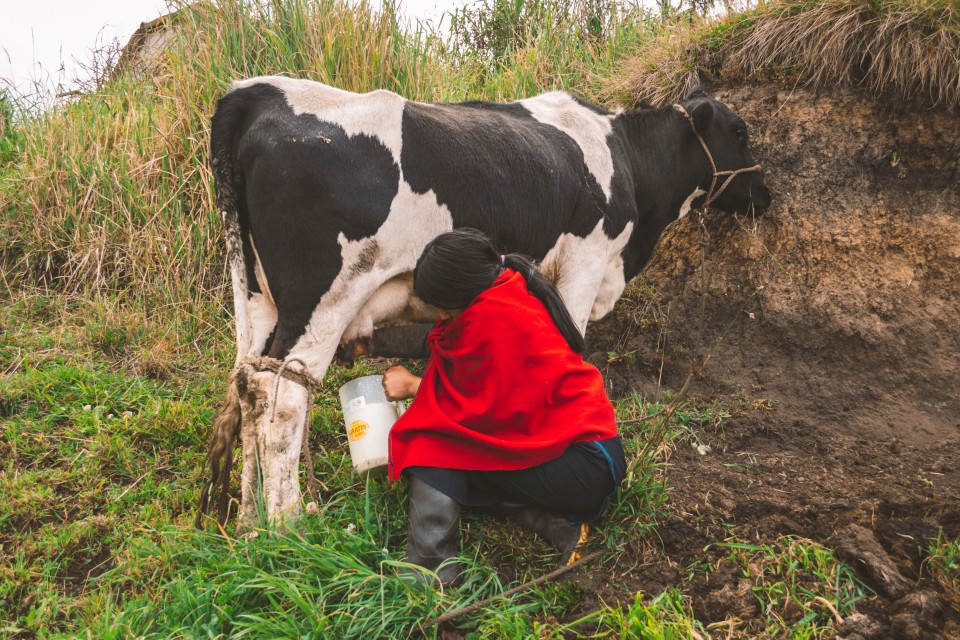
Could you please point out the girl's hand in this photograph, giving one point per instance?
(399, 383)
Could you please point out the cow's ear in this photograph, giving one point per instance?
(702, 114)
(699, 92)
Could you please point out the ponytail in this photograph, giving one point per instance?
(457, 266)
(543, 289)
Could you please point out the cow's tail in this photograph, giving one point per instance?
(225, 129)
(223, 438)
(226, 124)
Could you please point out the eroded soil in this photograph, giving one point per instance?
(834, 322)
(764, 478)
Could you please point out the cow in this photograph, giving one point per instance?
(328, 198)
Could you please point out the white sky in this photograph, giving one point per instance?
(42, 41)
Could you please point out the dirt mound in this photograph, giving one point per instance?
(831, 327)
(841, 304)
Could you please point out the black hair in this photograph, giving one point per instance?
(457, 266)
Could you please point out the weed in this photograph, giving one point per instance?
(943, 560)
(667, 616)
(799, 585)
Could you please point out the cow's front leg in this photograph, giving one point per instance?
(577, 281)
(578, 267)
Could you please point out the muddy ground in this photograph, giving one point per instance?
(834, 323)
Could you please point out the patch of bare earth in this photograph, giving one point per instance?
(834, 323)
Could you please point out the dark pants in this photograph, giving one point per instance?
(577, 484)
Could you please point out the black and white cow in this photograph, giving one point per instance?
(329, 197)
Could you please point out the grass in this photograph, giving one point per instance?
(100, 478)
(943, 560)
(667, 616)
(799, 586)
(900, 51)
(116, 336)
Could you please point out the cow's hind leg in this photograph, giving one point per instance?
(276, 407)
(275, 416)
(256, 319)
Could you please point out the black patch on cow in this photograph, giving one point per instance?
(305, 182)
(499, 170)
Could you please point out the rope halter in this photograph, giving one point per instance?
(713, 193)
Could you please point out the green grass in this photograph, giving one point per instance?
(798, 584)
(101, 478)
(666, 617)
(116, 338)
(943, 561)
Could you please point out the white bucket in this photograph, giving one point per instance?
(368, 416)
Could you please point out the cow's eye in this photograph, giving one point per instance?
(741, 133)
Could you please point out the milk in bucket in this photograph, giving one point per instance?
(368, 416)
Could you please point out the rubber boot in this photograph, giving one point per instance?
(434, 534)
(559, 531)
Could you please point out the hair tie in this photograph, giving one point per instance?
(503, 260)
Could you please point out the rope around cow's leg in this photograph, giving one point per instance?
(276, 384)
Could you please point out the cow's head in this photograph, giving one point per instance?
(726, 136)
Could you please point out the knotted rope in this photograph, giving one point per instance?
(712, 194)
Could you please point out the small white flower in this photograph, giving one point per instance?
(312, 508)
(109, 416)
(351, 528)
(87, 407)
(752, 317)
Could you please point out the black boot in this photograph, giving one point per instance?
(434, 531)
(567, 537)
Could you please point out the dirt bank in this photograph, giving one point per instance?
(835, 322)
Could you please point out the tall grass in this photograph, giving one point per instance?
(904, 51)
(112, 192)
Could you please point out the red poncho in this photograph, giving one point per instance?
(502, 390)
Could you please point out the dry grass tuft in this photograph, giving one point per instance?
(906, 52)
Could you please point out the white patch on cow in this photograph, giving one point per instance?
(587, 128)
(586, 270)
(414, 220)
(378, 113)
(685, 207)
(240, 311)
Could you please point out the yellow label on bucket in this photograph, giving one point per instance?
(357, 429)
